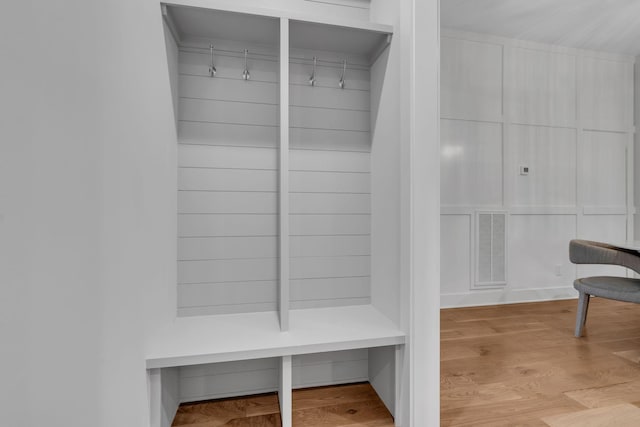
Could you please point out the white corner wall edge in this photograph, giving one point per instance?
(505, 296)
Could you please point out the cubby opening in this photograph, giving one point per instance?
(330, 164)
(227, 121)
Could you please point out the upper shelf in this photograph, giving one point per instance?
(333, 38)
(200, 23)
(261, 26)
(223, 338)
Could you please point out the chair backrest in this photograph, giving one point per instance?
(588, 252)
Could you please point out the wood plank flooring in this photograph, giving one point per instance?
(520, 365)
(352, 405)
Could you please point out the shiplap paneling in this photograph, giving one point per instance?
(336, 367)
(227, 182)
(324, 118)
(201, 179)
(206, 202)
(232, 90)
(330, 225)
(329, 139)
(471, 80)
(227, 270)
(329, 267)
(329, 182)
(329, 245)
(228, 207)
(202, 133)
(471, 159)
(219, 380)
(196, 225)
(204, 156)
(226, 297)
(330, 200)
(199, 248)
(239, 113)
(214, 381)
(330, 203)
(329, 97)
(543, 88)
(330, 161)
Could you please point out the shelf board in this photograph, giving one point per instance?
(235, 21)
(336, 38)
(212, 24)
(224, 338)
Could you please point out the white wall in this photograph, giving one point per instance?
(567, 115)
(86, 155)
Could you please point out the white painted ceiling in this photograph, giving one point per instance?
(605, 25)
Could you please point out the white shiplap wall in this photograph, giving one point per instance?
(330, 185)
(247, 377)
(567, 114)
(228, 191)
(227, 184)
(228, 205)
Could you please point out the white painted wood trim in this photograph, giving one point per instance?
(238, 7)
(543, 210)
(257, 335)
(283, 172)
(506, 296)
(423, 214)
(154, 385)
(173, 29)
(526, 44)
(284, 392)
(604, 210)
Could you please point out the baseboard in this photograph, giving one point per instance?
(505, 296)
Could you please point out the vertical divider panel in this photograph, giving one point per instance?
(285, 392)
(283, 172)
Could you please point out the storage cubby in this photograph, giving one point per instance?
(288, 248)
(330, 164)
(227, 161)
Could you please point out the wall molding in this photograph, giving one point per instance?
(569, 117)
(505, 296)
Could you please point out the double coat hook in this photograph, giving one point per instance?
(312, 78)
(212, 67)
(245, 73)
(344, 72)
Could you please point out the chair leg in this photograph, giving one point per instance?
(581, 315)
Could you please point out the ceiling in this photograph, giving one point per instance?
(605, 25)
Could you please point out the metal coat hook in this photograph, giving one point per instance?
(212, 67)
(344, 72)
(245, 73)
(312, 78)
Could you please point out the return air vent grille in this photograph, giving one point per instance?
(491, 249)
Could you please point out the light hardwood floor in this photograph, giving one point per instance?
(350, 405)
(520, 365)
